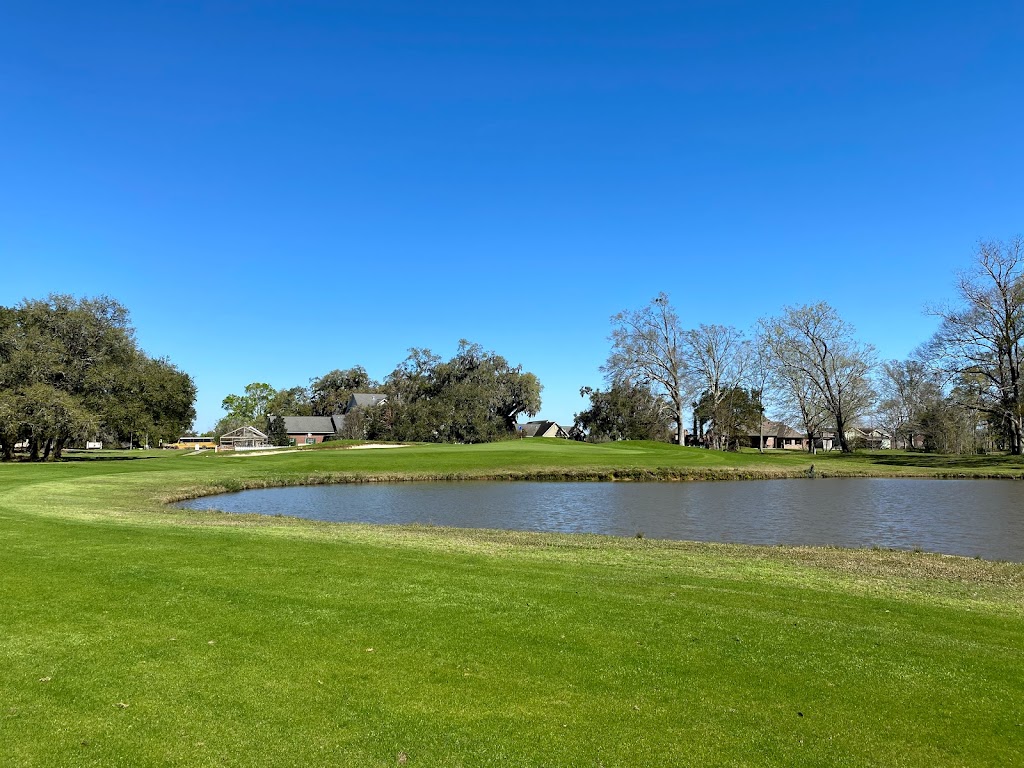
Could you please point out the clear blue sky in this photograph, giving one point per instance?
(279, 189)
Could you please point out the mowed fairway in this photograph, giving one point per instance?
(134, 634)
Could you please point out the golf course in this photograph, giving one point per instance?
(136, 633)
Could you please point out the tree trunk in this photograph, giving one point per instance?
(33, 449)
(58, 448)
(47, 447)
(844, 444)
(1016, 437)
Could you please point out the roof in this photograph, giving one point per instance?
(364, 399)
(306, 425)
(534, 428)
(531, 428)
(245, 432)
(867, 432)
(778, 429)
(339, 421)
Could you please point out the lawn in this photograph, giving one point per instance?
(135, 634)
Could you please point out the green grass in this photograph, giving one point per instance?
(134, 634)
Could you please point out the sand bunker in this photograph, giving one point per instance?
(275, 452)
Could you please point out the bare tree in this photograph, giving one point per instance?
(717, 357)
(800, 400)
(760, 376)
(979, 344)
(816, 352)
(907, 388)
(649, 347)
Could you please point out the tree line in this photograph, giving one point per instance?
(960, 391)
(71, 371)
(475, 396)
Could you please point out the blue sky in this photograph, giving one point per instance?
(276, 190)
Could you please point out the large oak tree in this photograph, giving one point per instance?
(70, 369)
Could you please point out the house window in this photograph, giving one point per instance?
(310, 440)
(291, 441)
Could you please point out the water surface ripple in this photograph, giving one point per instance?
(964, 517)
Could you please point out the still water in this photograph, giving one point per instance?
(961, 517)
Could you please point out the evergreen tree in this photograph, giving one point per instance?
(276, 432)
(623, 412)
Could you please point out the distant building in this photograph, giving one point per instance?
(364, 400)
(869, 437)
(310, 430)
(243, 439)
(542, 429)
(776, 434)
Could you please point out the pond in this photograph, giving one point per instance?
(962, 517)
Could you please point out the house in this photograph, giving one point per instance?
(310, 430)
(243, 439)
(354, 418)
(826, 441)
(869, 437)
(542, 429)
(912, 442)
(576, 432)
(776, 434)
(364, 400)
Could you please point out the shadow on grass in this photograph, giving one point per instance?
(938, 461)
(74, 457)
(66, 458)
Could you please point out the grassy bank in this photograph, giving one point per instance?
(133, 634)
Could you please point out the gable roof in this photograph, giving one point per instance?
(530, 428)
(246, 431)
(364, 399)
(307, 425)
(871, 432)
(534, 428)
(777, 429)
